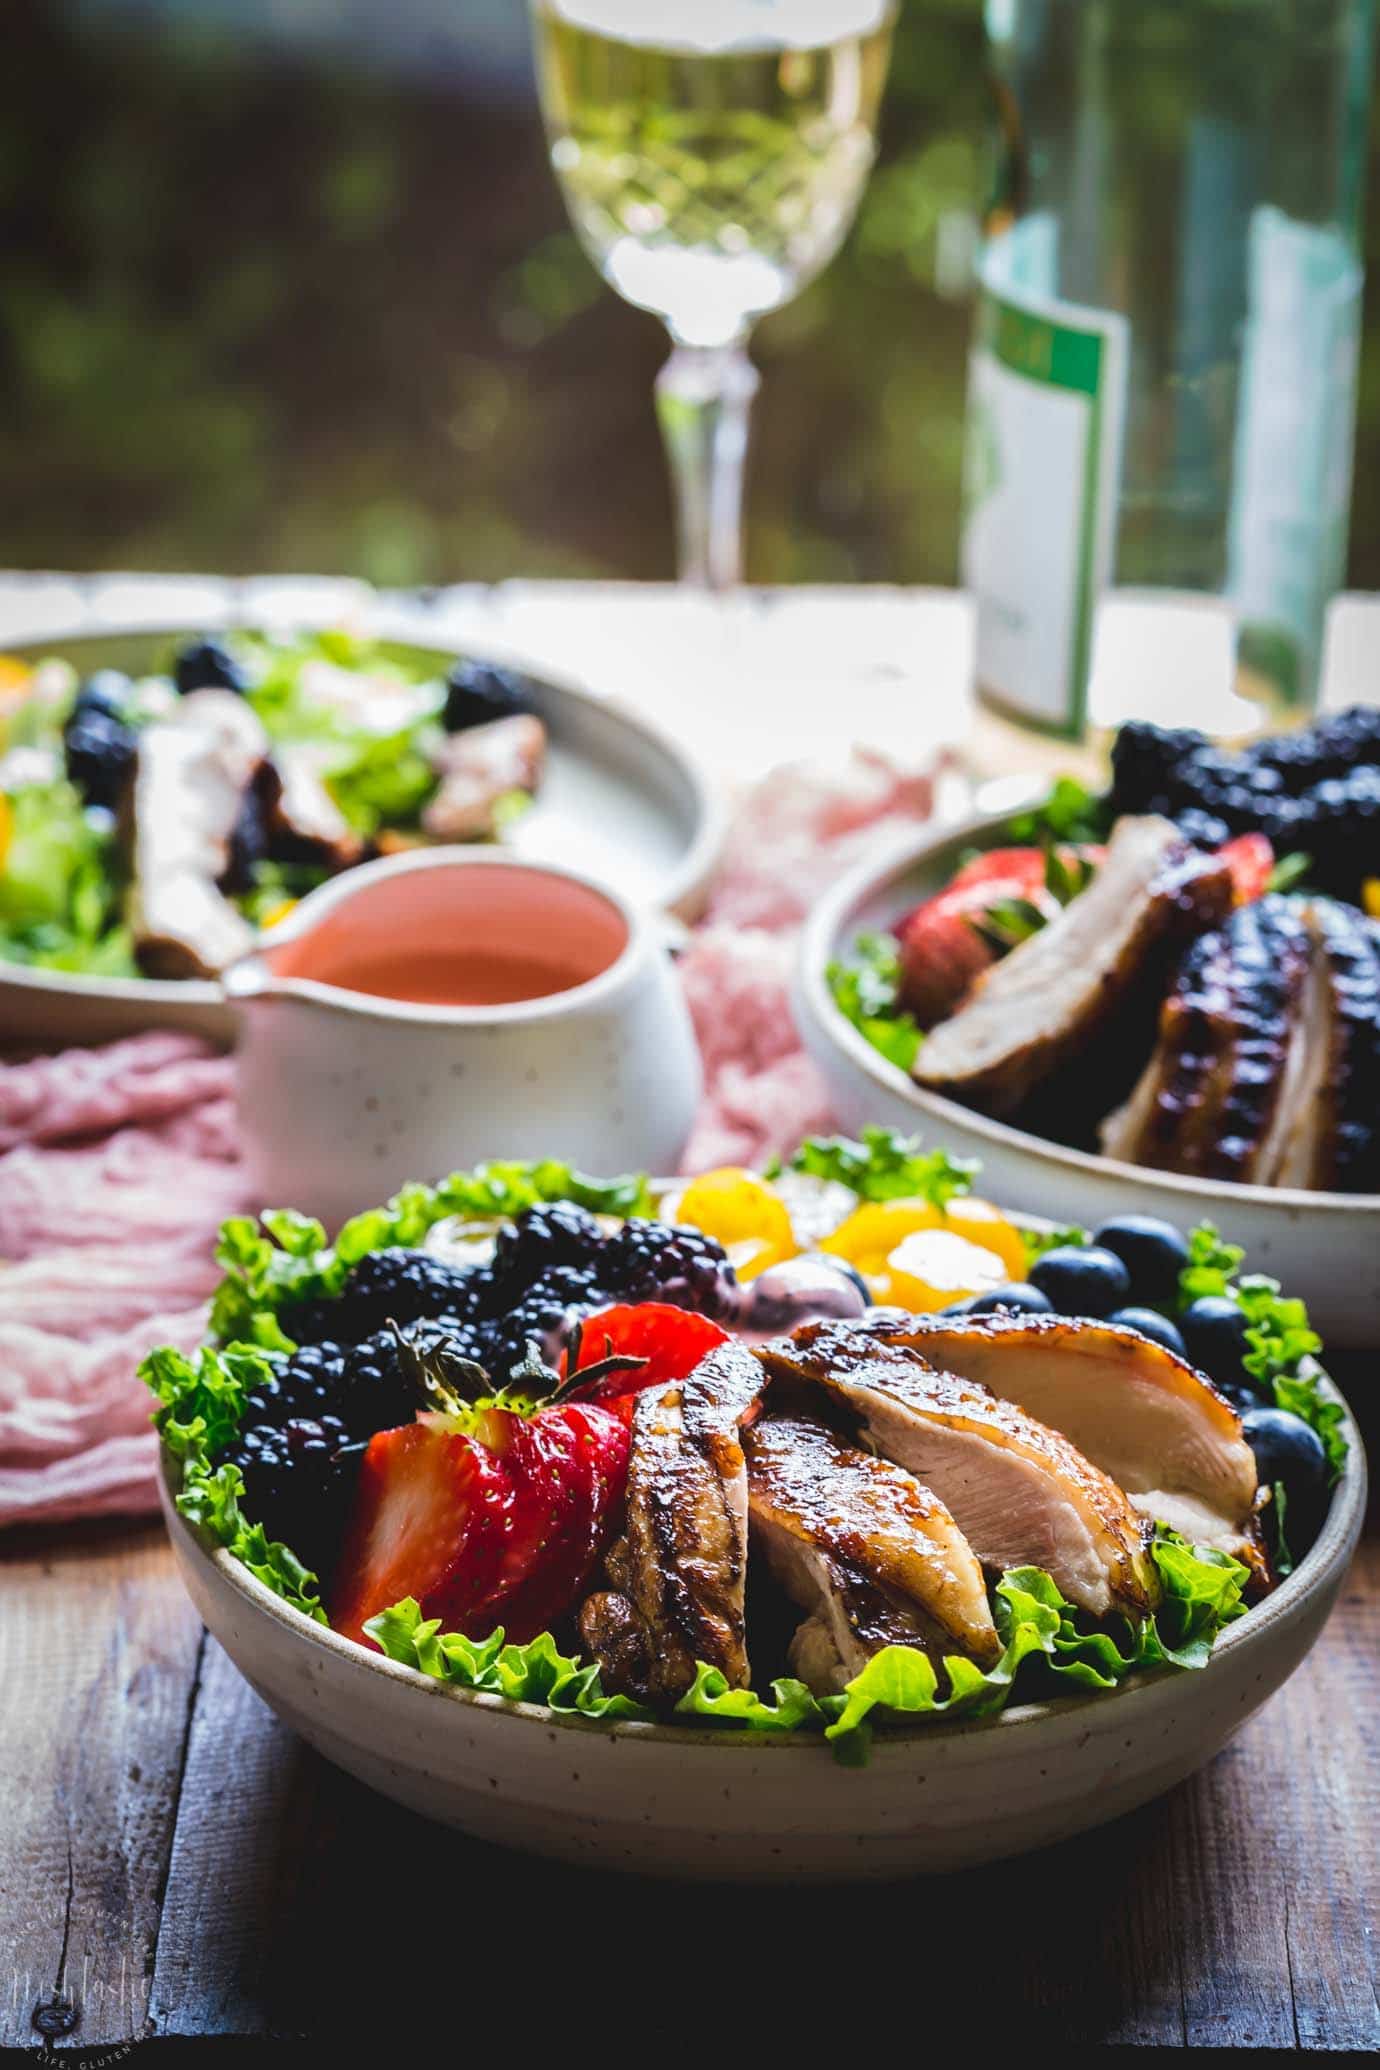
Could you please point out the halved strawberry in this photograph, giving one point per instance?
(1251, 860)
(670, 1342)
(567, 1466)
(428, 1521)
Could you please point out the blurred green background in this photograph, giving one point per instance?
(287, 286)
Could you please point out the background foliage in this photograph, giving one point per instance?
(307, 299)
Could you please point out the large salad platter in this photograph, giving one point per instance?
(164, 795)
(828, 1524)
(1168, 997)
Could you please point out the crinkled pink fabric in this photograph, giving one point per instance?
(117, 1164)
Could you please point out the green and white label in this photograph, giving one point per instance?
(1046, 411)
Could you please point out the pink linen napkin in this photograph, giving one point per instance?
(118, 1164)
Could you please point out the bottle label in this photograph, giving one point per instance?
(1042, 464)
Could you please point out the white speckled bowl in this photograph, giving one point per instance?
(669, 1801)
(1325, 1247)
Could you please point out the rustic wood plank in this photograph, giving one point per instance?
(1233, 1913)
(98, 1663)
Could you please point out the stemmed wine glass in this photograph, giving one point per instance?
(712, 154)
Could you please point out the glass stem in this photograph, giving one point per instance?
(703, 402)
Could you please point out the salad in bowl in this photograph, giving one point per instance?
(151, 823)
(841, 1458)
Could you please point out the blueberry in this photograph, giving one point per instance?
(801, 1289)
(1290, 1451)
(1086, 1281)
(1153, 1252)
(477, 692)
(1214, 1333)
(208, 665)
(1151, 1324)
(1019, 1298)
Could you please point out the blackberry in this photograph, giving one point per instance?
(1339, 826)
(208, 665)
(248, 844)
(554, 1234)
(1204, 829)
(299, 1478)
(542, 1317)
(105, 691)
(660, 1261)
(403, 1286)
(101, 752)
(477, 692)
(1144, 758)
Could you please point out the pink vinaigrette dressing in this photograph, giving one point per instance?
(481, 936)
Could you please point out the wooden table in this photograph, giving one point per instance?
(176, 1866)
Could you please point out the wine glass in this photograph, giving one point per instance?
(712, 154)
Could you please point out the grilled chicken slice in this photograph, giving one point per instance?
(478, 767)
(1073, 993)
(677, 1574)
(1154, 1425)
(193, 772)
(304, 821)
(1334, 1142)
(1222, 1094)
(875, 1558)
(1020, 1493)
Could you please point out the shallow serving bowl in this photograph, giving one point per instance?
(620, 801)
(1324, 1247)
(671, 1801)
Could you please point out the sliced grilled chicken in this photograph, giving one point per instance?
(1334, 1141)
(1154, 1425)
(677, 1573)
(1075, 992)
(873, 1556)
(304, 821)
(478, 767)
(193, 772)
(1020, 1493)
(1221, 1096)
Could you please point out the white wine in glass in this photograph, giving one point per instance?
(712, 154)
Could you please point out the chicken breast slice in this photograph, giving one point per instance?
(1145, 1417)
(190, 780)
(677, 1574)
(478, 767)
(1236, 1062)
(1020, 1493)
(1066, 988)
(873, 1556)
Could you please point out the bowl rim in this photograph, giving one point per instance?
(1322, 1566)
(873, 879)
(681, 894)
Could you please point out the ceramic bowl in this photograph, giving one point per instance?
(1325, 1247)
(345, 1095)
(667, 1801)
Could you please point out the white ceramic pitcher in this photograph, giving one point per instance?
(345, 1094)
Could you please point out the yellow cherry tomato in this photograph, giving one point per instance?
(872, 1232)
(987, 1226)
(278, 912)
(744, 1213)
(6, 827)
(933, 1267)
(1370, 897)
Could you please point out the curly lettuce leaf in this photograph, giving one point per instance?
(866, 992)
(710, 1697)
(1281, 1344)
(58, 895)
(886, 1165)
(535, 1673)
(285, 1257)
